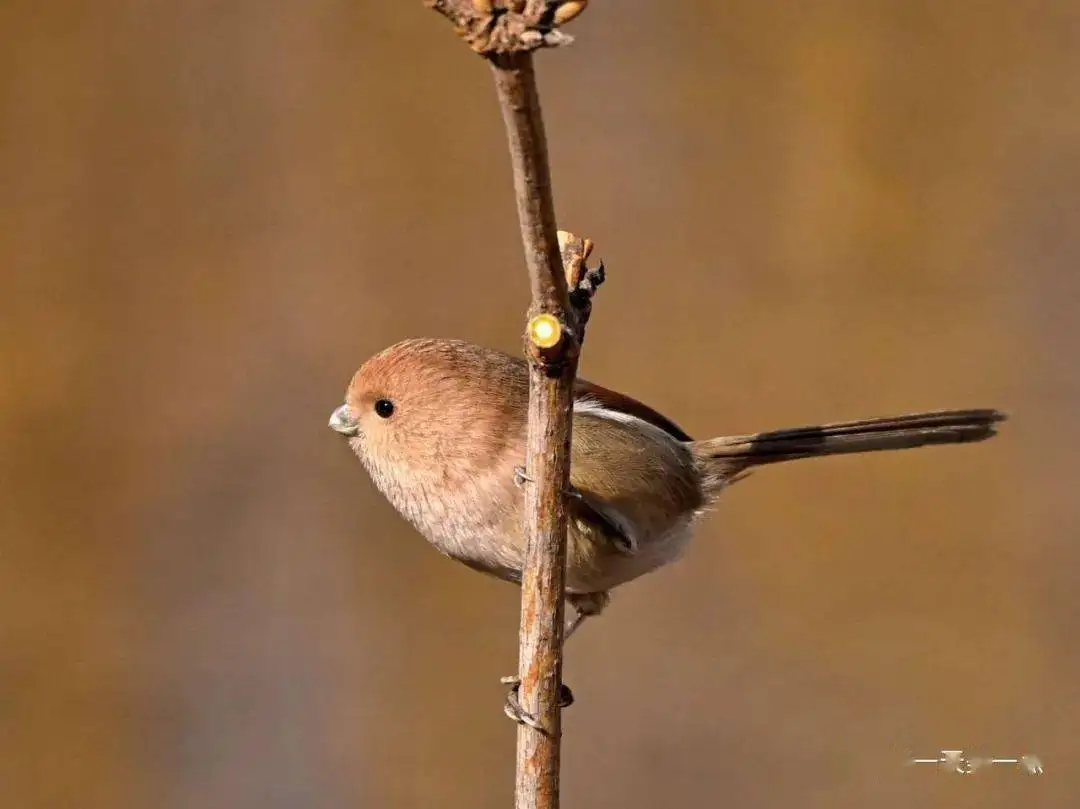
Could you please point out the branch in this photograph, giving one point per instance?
(506, 32)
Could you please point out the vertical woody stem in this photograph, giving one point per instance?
(506, 32)
(551, 379)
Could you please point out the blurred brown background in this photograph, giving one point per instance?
(211, 213)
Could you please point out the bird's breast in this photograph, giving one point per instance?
(473, 520)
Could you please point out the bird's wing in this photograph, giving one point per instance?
(616, 527)
(621, 403)
(631, 478)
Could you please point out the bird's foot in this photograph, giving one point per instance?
(520, 479)
(513, 708)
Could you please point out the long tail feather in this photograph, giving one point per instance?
(723, 458)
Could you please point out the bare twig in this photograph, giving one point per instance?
(506, 32)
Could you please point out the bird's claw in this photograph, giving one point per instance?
(513, 708)
(520, 479)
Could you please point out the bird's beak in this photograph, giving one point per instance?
(342, 421)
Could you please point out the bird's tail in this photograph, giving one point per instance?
(722, 460)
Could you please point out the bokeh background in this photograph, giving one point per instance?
(211, 213)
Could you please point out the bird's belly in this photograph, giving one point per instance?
(496, 546)
(593, 567)
(481, 546)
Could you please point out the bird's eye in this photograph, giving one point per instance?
(384, 408)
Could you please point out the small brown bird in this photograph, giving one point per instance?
(440, 426)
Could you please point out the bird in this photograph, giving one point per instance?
(440, 426)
